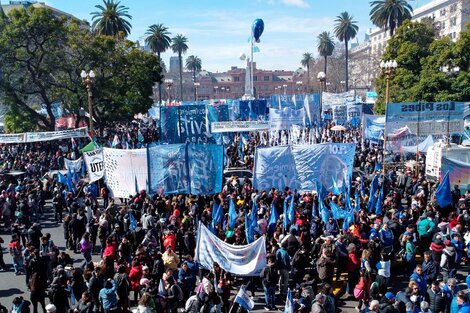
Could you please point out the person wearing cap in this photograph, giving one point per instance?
(318, 304)
(387, 303)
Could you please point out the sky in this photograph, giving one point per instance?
(218, 30)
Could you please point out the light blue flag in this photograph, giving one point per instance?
(272, 220)
(75, 176)
(69, 182)
(255, 49)
(217, 214)
(335, 190)
(325, 215)
(443, 192)
(285, 219)
(132, 222)
(348, 220)
(291, 211)
(357, 204)
(290, 305)
(372, 193)
(380, 201)
(61, 178)
(83, 170)
(232, 213)
(244, 300)
(337, 212)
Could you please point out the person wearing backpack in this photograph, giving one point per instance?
(175, 295)
(270, 276)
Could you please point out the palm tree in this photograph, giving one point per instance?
(325, 47)
(389, 13)
(345, 30)
(179, 45)
(158, 40)
(111, 20)
(193, 63)
(307, 60)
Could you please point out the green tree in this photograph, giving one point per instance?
(179, 44)
(325, 47)
(194, 64)
(42, 57)
(410, 47)
(111, 20)
(345, 29)
(306, 61)
(158, 40)
(390, 14)
(32, 46)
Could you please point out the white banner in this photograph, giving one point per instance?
(73, 165)
(12, 138)
(44, 136)
(285, 118)
(238, 126)
(126, 171)
(247, 260)
(94, 164)
(56, 135)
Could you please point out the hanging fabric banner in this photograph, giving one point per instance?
(169, 129)
(206, 166)
(126, 171)
(247, 260)
(274, 167)
(95, 164)
(285, 118)
(73, 165)
(193, 124)
(373, 127)
(168, 170)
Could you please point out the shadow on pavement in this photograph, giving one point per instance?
(10, 292)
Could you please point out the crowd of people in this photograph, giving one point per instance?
(138, 253)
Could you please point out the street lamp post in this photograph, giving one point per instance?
(285, 89)
(169, 84)
(387, 68)
(196, 86)
(88, 79)
(322, 78)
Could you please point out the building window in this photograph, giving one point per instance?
(453, 8)
(255, 78)
(236, 78)
(443, 25)
(266, 78)
(453, 21)
(443, 12)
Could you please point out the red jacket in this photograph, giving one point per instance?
(354, 264)
(169, 240)
(135, 275)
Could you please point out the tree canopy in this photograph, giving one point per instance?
(428, 69)
(42, 57)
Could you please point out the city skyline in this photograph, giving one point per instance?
(218, 32)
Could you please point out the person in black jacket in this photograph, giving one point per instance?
(270, 276)
(85, 305)
(436, 298)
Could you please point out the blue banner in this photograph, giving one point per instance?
(169, 124)
(168, 171)
(321, 163)
(373, 127)
(311, 103)
(216, 113)
(340, 114)
(274, 167)
(206, 165)
(193, 124)
(252, 109)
